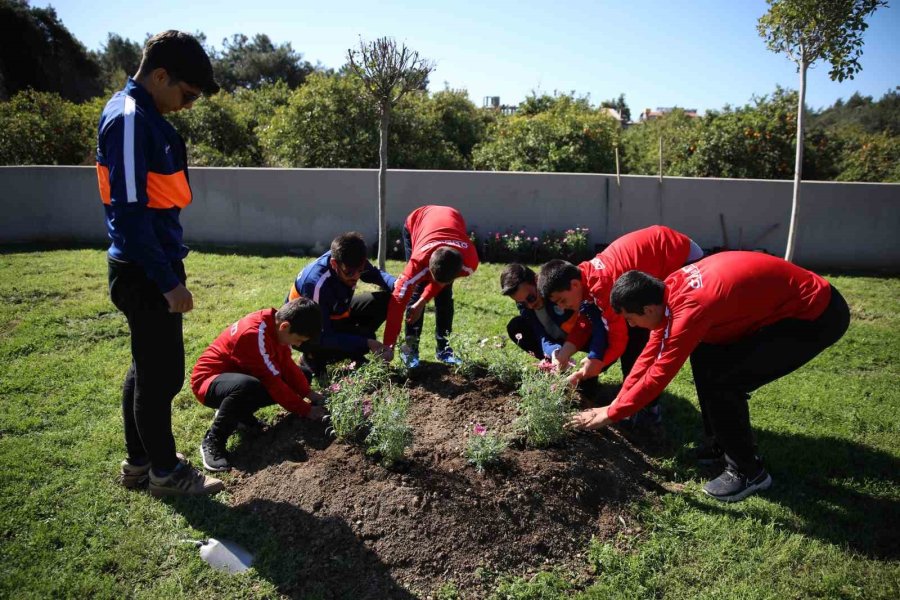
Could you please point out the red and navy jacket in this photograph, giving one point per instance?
(251, 347)
(655, 250)
(430, 227)
(143, 179)
(318, 282)
(718, 300)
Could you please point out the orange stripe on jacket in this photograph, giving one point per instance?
(168, 191)
(343, 315)
(103, 183)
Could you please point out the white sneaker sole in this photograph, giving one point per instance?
(209, 468)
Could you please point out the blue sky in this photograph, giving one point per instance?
(694, 53)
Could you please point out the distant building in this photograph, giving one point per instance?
(649, 115)
(612, 113)
(493, 103)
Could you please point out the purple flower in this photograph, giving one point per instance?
(334, 387)
(367, 407)
(479, 429)
(352, 365)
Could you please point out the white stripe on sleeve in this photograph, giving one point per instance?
(411, 281)
(128, 150)
(261, 341)
(319, 285)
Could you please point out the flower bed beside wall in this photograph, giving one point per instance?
(517, 245)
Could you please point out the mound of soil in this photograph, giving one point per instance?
(369, 532)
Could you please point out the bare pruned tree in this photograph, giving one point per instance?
(806, 31)
(389, 72)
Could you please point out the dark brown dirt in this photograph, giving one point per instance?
(370, 532)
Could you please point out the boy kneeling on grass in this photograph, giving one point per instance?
(249, 366)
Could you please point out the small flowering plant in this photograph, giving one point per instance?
(390, 433)
(349, 404)
(483, 449)
(546, 405)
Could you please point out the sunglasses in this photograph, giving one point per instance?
(350, 272)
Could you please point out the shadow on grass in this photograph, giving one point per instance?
(327, 560)
(837, 489)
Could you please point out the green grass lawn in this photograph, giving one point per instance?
(830, 435)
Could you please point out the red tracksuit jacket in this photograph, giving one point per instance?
(430, 227)
(656, 250)
(718, 300)
(251, 347)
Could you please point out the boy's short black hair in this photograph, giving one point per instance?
(557, 276)
(445, 264)
(304, 316)
(183, 58)
(513, 276)
(349, 249)
(634, 290)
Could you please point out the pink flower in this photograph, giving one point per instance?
(334, 387)
(479, 429)
(352, 365)
(553, 387)
(545, 366)
(497, 236)
(522, 232)
(367, 407)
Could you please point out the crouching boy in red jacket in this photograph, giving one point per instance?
(249, 366)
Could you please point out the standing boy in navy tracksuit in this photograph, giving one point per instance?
(143, 178)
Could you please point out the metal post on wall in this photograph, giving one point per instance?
(660, 160)
(618, 178)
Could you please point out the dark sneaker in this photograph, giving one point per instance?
(185, 480)
(136, 476)
(732, 485)
(447, 357)
(215, 458)
(709, 454)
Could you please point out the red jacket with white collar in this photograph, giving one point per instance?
(718, 300)
(251, 347)
(655, 250)
(430, 227)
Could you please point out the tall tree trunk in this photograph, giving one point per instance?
(382, 186)
(798, 166)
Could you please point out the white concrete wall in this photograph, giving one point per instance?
(842, 225)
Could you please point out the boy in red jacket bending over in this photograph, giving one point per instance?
(438, 250)
(249, 366)
(745, 319)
